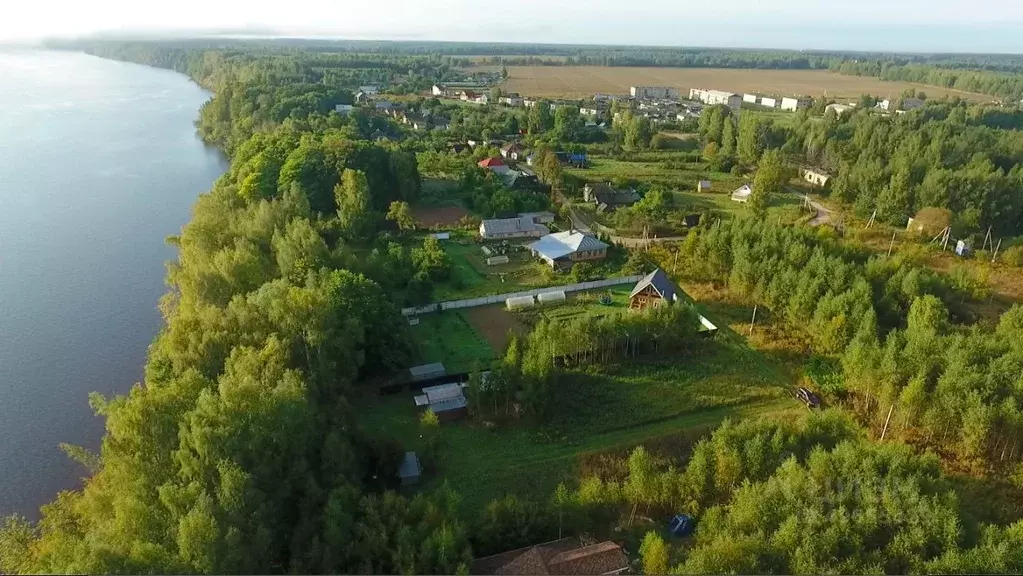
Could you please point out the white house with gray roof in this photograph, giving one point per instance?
(565, 248)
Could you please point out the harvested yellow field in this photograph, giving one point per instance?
(584, 81)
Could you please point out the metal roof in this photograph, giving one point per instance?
(660, 283)
(511, 225)
(427, 369)
(410, 467)
(561, 244)
(442, 392)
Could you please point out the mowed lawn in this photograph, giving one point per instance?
(595, 411)
(585, 81)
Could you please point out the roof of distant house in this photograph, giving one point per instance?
(561, 244)
(512, 225)
(560, 557)
(491, 162)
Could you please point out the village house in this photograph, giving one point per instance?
(742, 194)
(816, 178)
(567, 556)
(589, 111)
(505, 228)
(654, 290)
(370, 90)
(539, 217)
(343, 109)
(512, 151)
(495, 164)
(606, 197)
(562, 249)
(529, 102)
(511, 100)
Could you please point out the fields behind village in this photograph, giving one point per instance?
(584, 81)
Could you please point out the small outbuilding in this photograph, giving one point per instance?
(410, 470)
(427, 371)
(742, 194)
(704, 186)
(447, 401)
(519, 302)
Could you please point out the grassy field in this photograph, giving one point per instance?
(584, 81)
(449, 338)
(668, 170)
(472, 277)
(596, 411)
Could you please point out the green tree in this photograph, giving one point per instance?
(637, 133)
(728, 143)
(751, 139)
(654, 552)
(769, 180)
(401, 214)
(353, 204)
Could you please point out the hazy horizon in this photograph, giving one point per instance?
(869, 25)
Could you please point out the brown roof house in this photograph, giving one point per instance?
(566, 556)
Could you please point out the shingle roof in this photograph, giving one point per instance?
(596, 559)
(560, 557)
(660, 283)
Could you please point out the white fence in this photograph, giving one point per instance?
(500, 298)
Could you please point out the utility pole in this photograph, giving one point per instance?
(996, 251)
(988, 239)
(891, 245)
(871, 221)
(754, 320)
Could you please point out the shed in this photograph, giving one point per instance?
(519, 302)
(427, 371)
(704, 185)
(410, 469)
(551, 297)
(447, 401)
(495, 260)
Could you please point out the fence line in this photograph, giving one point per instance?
(500, 298)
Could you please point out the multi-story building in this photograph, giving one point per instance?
(712, 97)
(653, 92)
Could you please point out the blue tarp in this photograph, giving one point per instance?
(681, 525)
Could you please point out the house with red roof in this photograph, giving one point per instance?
(495, 164)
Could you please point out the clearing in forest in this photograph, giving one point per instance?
(585, 81)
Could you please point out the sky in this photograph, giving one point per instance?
(908, 25)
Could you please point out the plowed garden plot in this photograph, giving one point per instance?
(439, 215)
(493, 323)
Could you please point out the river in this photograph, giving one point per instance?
(99, 163)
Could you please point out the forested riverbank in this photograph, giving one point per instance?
(245, 450)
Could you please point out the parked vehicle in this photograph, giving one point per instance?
(807, 397)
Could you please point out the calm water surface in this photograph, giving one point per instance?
(99, 162)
